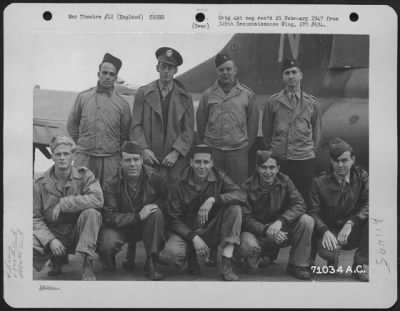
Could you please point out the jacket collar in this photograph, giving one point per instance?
(187, 176)
(254, 182)
(235, 91)
(100, 89)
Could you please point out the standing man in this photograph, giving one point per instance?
(66, 217)
(274, 218)
(227, 120)
(99, 122)
(133, 211)
(292, 128)
(205, 212)
(163, 118)
(340, 207)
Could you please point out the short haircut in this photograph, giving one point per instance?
(263, 155)
(58, 140)
(200, 149)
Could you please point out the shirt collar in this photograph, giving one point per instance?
(290, 93)
(346, 179)
(169, 86)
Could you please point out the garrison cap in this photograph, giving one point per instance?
(108, 58)
(337, 147)
(61, 140)
(289, 63)
(263, 155)
(169, 56)
(221, 59)
(132, 148)
(200, 149)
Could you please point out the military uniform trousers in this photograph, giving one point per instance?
(299, 238)
(101, 167)
(150, 230)
(358, 238)
(82, 238)
(232, 162)
(224, 228)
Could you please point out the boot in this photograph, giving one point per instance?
(129, 263)
(361, 272)
(55, 266)
(87, 269)
(226, 270)
(193, 266)
(211, 260)
(302, 273)
(150, 269)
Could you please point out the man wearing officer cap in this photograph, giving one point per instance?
(205, 212)
(340, 207)
(99, 122)
(133, 210)
(163, 118)
(291, 127)
(227, 119)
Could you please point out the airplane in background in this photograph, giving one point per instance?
(335, 70)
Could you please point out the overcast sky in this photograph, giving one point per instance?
(69, 61)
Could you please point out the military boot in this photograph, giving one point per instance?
(55, 266)
(87, 269)
(193, 266)
(226, 270)
(150, 269)
(129, 263)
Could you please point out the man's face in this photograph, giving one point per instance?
(62, 157)
(342, 165)
(107, 75)
(226, 73)
(166, 71)
(131, 164)
(201, 164)
(292, 77)
(268, 171)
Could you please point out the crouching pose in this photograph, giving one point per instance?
(275, 217)
(66, 219)
(340, 208)
(133, 201)
(205, 211)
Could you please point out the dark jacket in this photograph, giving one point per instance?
(332, 206)
(82, 191)
(282, 202)
(119, 209)
(185, 200)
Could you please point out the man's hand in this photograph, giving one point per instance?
(273, 229)
(170, 159)
(205, 208)
(329, 241)
(149, 157)
(280, 237)
(344, 234)
(57, 248)
(200, 247)
(147, 210)
(55, 213)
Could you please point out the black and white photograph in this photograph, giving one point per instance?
(231, 153)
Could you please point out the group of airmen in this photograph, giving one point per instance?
(123, 176)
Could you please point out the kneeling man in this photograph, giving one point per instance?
(133, 200)
(340, 208)
(66, 217)
(205, 211)
(275, 217)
